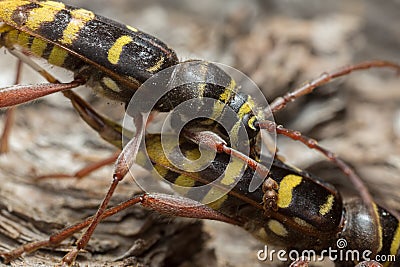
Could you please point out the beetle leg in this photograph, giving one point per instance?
(9, 120)
(344, 167)
(125, 160)
(85, 171)
(369, 264)
(301, 262)
(214, 142)
(280, 102)
(162, 203)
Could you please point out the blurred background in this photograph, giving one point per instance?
(280, 45)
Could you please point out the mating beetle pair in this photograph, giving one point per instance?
(79, 40)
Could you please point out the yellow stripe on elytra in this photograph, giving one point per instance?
(223, 99)
(38, 46)
(115, 51)
(251, 122)
(153, 150)
(183, 184)
(246, 108)
(156, 67)
(233, 171)
(184, 181)
(57, 56)
(198, 161)
(327, 206)
(7, 9)
(394, 247)
(45, 13)
(229, 90)
(286, 187)
(79, 18)
(159, 172)
(379, 227)
(215, 198)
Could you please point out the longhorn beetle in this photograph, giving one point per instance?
(115, 60)
(312, 216)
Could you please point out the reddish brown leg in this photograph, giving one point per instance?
(109, 130)
(280, 102)
(369, 264)
(124, 162)
(19, 94)
(9, 120)
(165, 204)
(85, 171)
(216, 143)
(302, 262)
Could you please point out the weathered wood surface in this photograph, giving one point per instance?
(279, 44)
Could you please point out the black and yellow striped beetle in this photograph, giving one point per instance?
(115, 60)
(311, 215)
